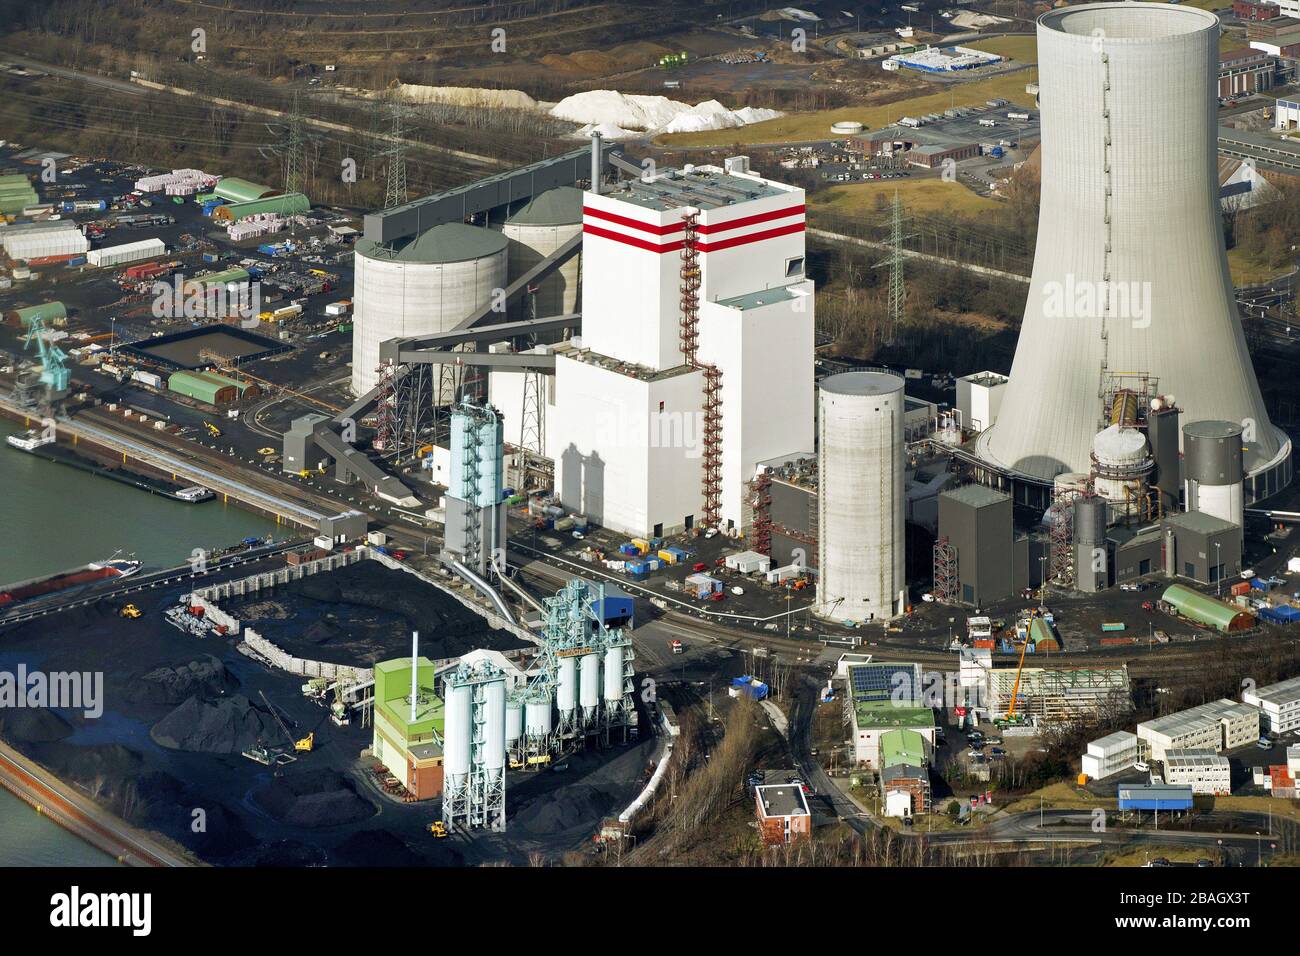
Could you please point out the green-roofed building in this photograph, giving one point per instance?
(872, 720)
(203, 387)
(233, 189)
(408, 739)
(51, 313)
(1207, 611)
(16, 193)
(903, 746)
(290, 204)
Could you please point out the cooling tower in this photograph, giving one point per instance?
(1130, 274)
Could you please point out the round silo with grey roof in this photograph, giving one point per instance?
(418, 286)
(536, 230)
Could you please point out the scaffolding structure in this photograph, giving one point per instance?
(947, 582)
(1060, 535)
(760, 503)
(386, 424)
(471, 440)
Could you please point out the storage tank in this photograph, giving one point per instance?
(860, 458)
(514, 719)
(1212, 469)
(456, 734)
(566, 690)
(535, 231)
(614, 675)
(419, 286)
(1090, 513)
(589, 690)
(1121, 462)
(537, 714)
(494, 725)
(1090, 519)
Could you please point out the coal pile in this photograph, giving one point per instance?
(227, 726)
(32, 725)
(315, 798)
(281, 853)
(565, 809)
(365, 613)
(375, 848)
(206, 678)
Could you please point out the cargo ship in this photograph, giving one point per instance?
(43, 445)
(87, 574)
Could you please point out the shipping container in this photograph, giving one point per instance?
(1117, 641)
(1241, 587)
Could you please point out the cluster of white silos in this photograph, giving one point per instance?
(475, 730)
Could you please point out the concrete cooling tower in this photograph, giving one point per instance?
(1130, 274)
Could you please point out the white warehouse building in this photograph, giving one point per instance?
(1110, 754)
(1201, 769)
(1279, 704)
(1219, 725)
(696, 356)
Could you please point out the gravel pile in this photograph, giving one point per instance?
(565, 809)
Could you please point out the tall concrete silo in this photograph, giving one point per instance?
(860, 456)
(534, 232)
(1212, 469)
(1130, 274)
(417, 287)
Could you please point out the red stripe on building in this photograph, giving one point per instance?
(710, 228)
(750, 237)
(646, 244)
(714, 246)
(633, 223)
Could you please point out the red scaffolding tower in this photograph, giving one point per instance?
(689, 333)
(760, 502)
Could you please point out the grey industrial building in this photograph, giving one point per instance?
(976, 520)
(1205, 548)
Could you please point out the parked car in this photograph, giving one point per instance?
(998, 752)
(1142, 767)
(1264, 743)
(699, 566)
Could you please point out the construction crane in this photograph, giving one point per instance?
(302, 746)
(54, 371)
(1015, 690)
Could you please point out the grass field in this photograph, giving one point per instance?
(1250, 271)
(1058, 796)
(816, 125)
(1174, 854)
(1020, 49)
(918, 195)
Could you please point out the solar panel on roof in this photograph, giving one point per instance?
(877, 682)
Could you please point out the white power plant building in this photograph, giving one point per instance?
(1130, 273)
(696, 356)
(860, 506)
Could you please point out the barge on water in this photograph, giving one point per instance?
(43, 445)
(87, 574)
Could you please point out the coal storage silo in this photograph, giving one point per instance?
(1130, 273)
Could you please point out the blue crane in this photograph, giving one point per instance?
(54, 371)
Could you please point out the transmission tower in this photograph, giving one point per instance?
(897, 290)
(290, 142)
(395, 195)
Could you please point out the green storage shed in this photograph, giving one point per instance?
(1206, 610)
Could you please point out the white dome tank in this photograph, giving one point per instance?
(514, 719)
(494, 725)
(613, 675)
(535, 231)
(1121, 462)
(566, 693)
(537, 717)
(420, 286)
(456, 731)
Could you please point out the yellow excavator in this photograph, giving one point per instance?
(130, 611)
(213, 430)
(438, 829)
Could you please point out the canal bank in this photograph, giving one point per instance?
(60, 517)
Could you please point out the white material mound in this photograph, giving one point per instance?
(606, 130)
(653, 113)
(466, 96)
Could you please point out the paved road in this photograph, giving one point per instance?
(69, 809)
(107, 82)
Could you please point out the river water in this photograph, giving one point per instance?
(53, 517)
